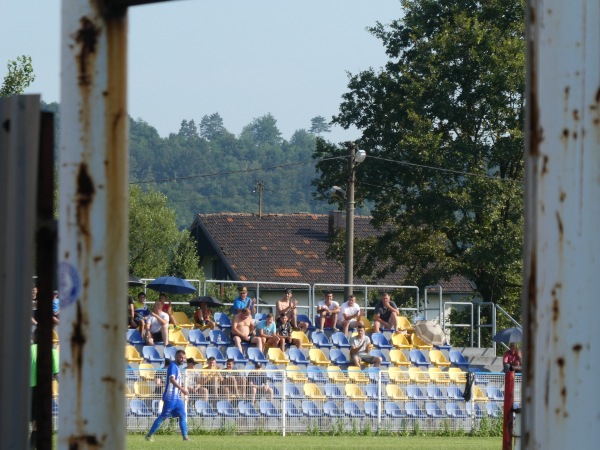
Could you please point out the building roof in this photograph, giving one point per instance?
(286, 248)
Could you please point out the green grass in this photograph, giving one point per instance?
(303, 442)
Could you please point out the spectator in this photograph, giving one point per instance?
(288, 307)
(202, 317)
(130, 312)
(55, 308)
(349, 314)
(360, 346)
(233, 382)
(328, 311)
(257, 382)
(140, 311)
(386, 314)
(244, 302)
(173, 403)
(167, 307)
(284, 333)
(157, 326)
(209, 380)
(243, 330)
(34, 293)
(267, 331)
(512, 359)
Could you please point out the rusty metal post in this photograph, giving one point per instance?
(562, 243)
(93, 228)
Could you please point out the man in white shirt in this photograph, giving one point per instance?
(156, 328)
(349, 316)
(328, 311)
(359, 348)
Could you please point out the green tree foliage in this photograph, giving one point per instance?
(20, 75)
(442, 125)
(318, 125)
(212, 127)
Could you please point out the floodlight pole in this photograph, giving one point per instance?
(353, 160)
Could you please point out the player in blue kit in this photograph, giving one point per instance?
(173, 402)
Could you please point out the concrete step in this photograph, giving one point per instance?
(482, 359)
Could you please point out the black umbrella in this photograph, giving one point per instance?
(509, 335)
(210, 301)
(134, 281)
(172, 285)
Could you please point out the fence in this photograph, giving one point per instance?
(300, 400)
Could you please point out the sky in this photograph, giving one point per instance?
(240, 58)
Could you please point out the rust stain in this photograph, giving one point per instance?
(85, 196)
(563, 196)
(577, 348)
(560, 226)
(85, 441)
(87, 38)
(545, 165)
(575, 115)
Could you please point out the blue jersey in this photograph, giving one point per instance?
(171, 392)
(238, 304)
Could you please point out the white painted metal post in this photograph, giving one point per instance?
(562, 246)
(93, 229)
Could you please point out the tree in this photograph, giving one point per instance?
(442, 127)
(211, 127)
(262, 130)
(20, 76)
(319, 125)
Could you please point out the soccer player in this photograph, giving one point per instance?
(173, 403)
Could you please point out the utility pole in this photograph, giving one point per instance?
(260, 186)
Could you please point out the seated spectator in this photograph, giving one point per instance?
(55, 308)
(140, 311)
(209, 380)
(360, 346)
(349, 314)
(512, 359)
(202, 317)
(267, 331)
(328, 311)
(386, 314)
(244, 330)
(284, 333)
(167, 307)
(233, 383)
(257, 382)
(243, 301)
(157, 326)
(288, 306)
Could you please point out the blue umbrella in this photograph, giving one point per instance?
(509, 335)
(172, 285)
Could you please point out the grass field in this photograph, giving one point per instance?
(253, 442)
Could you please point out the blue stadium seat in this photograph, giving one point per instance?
(454, 392)
(457, 359)
(340, 340)
(214, 351)
(380, 341)
(139, 408)
(494, 409)
(494, 393)
(338, 358)
(150, 354)
(267, 409)
(247, 409)
(413, 410)
(134, 337)
(478, 410)
(170, 352)
(415, 392)
(372, 391)
(256, 356)
(292, 391)
(304, 318)
(333, 391)
(54, 407)
(291, 410)
(331, 409)
(225, 409)
(310, 409)
(274, 373)
(435, 392)
(320, 340)
(372, 409)
(455, 411)
(131, 374)
(258, 317)
(352, 409)
(417, 358)
(218, 338)
(392, 409)
(316, 374)
(433, 410)
(222, 320)
(297, 357)
(204, 409)
(197, 338)
(384, 361)
(238, 357)
(375, 374)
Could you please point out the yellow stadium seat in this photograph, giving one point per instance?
(143, 389)
(404, 324)
(457, 376)
(356, 375)
(147, 371)
(419, 343)
(438, 358)
(54, 388)
(276, 356)
(183, 320)
(395, 392)
(368, 325)
(303, 338)
(438, 377)
(335, 374)
(355, 392)
(55, 337)
(128, 393)
(294, 373)
(132, 355)
(176, 337)
(416, 375)
(312, 391)
(399, 376)
(398, 358)
(400, 341)
(478, 394)
(192, 351)
(318, 358)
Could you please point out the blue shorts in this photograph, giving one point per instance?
(173, 408)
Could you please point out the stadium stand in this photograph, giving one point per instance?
(276, 356)
(339, 358)
(398, 358)
(291, 410)
(294, 373)
(494, 409)
(316, 374)
(457, 359)
(418, 358)
(226, 409)
(197, 338)
(351, 409)
(311, 390)
(310, 409)
(331, 409)
(132, 355)
(356, 375)
(457, 376)
(384, 361)
(218, 338)
(333, 391)
(204, 409)
(150, 354)
(415, 392)
(438, 376)
(494, 393)
(267, 408)
(395, 392)
(433, 410)
(438, 359)
(176, 337)
(304, 318)
(420, 344)
(194, 352)
(317, 357)
(247, 409)
(147, 371)
(170, 352)
(183, 320)
(335, 374)
(222, 320)
(392, 409)
(435, 393)
(139, 408)
(256, 356)
(413, 410)
(340, 340)
(216, 353)
(320, 340)
(455, 411)
(134, 337)
(372, 409)
(404, 324)
(354, 392)
(417, 375)
(237, 355)
(399, 376)
(292, 391)
(380, 341)
(298, 357)
(400, 341)
(306, 343)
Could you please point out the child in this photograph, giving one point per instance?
(202, 317)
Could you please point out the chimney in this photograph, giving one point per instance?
(335, 222)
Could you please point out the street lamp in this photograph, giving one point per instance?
(355, 158)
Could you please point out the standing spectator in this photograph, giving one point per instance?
(233, 383)
(328, 311)
(257, 382)
(267, 331)
(157, 326)
(173, 403)
(244, 302)
(140, 311)
(167, 307)
(202, 317)
(349, 314)
(386, 314)
(55, 308)
(284, 333)
(512, 358)
(286, 305)
(359, 348)
(243, 330)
